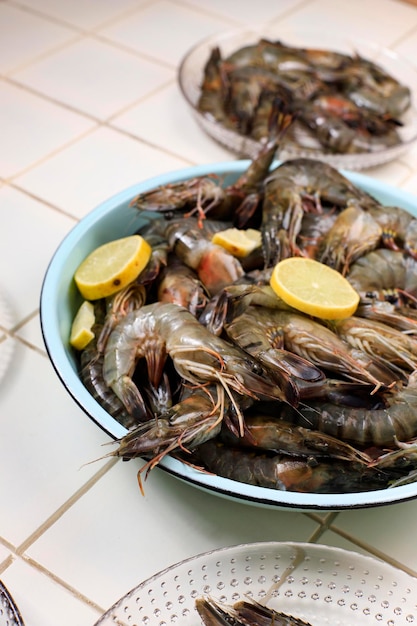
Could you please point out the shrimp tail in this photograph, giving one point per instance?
(132, 399)
(291, 364)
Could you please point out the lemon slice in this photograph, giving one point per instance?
(112, 266)
(81, 333)
(314, 288)
(240, 243)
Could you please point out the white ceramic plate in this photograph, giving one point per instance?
(317, 583)
(192, 69)
(60, 301)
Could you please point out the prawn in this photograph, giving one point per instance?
(384, 274)
(215, 266)
(199, 357)
(353, 233)
(317, 344)
(154, 234)
(91, 374)
(179, 284)
(399, 228)
(196, 418)
(242, 613)
(130, 298)
(379, 340)
(395, 420)
(286, 472)
(263, 432)
(296, 187)
(260, 342)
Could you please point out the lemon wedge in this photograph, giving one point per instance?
(238, 242)
(112, 266)
(81, 333)
(314, 288)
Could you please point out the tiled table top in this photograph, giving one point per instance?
(88, 106)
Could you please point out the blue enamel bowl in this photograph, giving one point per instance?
(60, 300)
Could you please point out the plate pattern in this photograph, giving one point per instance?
(317, 583)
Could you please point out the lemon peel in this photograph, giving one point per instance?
(112, 266)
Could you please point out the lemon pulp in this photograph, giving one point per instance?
(238, 242)
(314, 288)
(81, 333)
(112, 266)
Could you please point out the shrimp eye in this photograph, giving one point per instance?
(255, 367)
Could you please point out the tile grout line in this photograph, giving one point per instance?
(70, 25)
(56, 515)
(59, 581)
(106, 123)
(372, 550)
(323, 525)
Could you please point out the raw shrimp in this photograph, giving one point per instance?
(315, 343)
(154, 233)
(293, 188)
(353, 233)
(91, 374)
(384, 274)
(203, 192)
(402, 318)
(287, 473)
(213, 89)
(379, 340)
(263, 432)
(160, 329)
(393, 419)
(242, 613)
(215, 266)
(251, 333)
(130, 298)
(196, 418)
(371, 87)
(336, 135)
(179, 284)
(399, 228)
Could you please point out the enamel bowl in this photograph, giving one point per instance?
(60, 300)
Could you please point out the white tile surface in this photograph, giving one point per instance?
(40, 435)
(33, 128)
(249, 12)
(148, 31)
(76, 532)
(164, 120)
(25, 36)
(89, 105)
(380, 21)
(94, 77)
(103, 163)
(43, 602)
(30, 333)
(27, 262)
(84, 14)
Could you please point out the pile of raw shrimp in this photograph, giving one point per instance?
(342, 104)
(199, 358)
